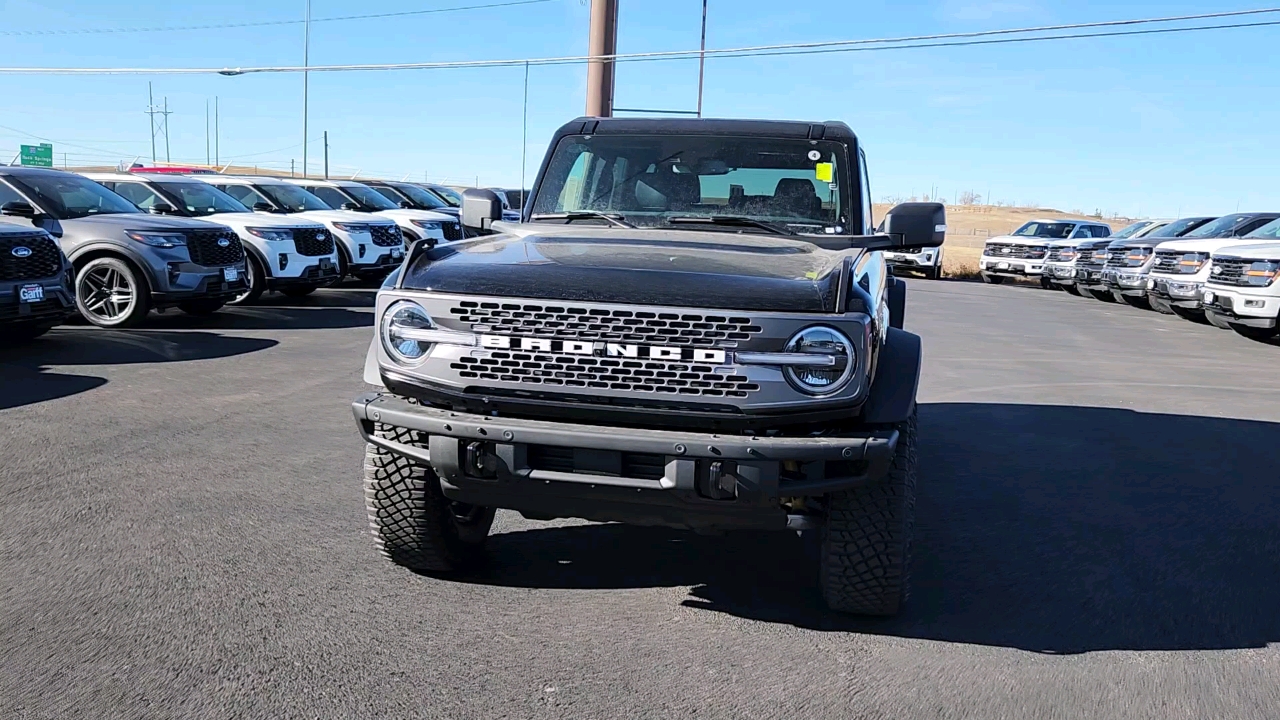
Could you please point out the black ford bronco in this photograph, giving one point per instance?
(692, 326)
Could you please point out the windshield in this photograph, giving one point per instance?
(419, 196)
(1270, 231)
(293, 198)
(450, 197)
(1221, 227)
(67, 197)
(649, 179)
(1178, 228)
(1134, 229)
(1045, 230)
(368, 197)
(197, 198)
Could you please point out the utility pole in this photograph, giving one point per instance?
(151, 118)
(306, 62)
(217, 155)
(524, 139)
(602, 46)
(702, 56)
(207, 158)
(166, 129)
(291, 168)
(326, 154)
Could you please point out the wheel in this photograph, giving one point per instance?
(1160, 306)
(343, 263)
(201, 307)
(110, 293)
(1195, 315)
(414, 524)
(1117, 296)
(934, 273)
(865, 560)
(23, 333)
(1218, 322)
(1047, 284)
(993, 279)
(298, 291)
(1254, 333)
(255, 279)
(1071, 288)
(1140, 301)
(1103, 295)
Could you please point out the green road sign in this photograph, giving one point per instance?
(36, 155)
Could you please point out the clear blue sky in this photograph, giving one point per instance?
(1153, 125)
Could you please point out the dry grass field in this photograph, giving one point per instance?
(969, 226)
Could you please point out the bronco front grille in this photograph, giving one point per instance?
(386, 235)
(576, 371)
(1016, 252)
(204, 248)
(44, 259)
(635, 326)
(313, 242)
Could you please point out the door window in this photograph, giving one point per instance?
(138, 194)
(330, 196)
(1083, 232)
(244, 194)
(1250, 226)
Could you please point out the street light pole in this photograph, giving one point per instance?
(306, 63)
(601, 47)
(702, 56)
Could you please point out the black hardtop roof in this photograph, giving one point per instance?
(828, 130)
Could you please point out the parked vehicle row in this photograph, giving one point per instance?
(1219, 270)
(127, 243)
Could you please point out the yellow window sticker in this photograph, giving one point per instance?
(825, 171)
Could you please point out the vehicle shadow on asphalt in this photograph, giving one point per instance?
(1045, 528)
(258, 317)
(25, 378)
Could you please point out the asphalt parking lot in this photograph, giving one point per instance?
(183, 535)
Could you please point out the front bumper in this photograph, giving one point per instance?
(1231, 306)
(1060, 274)
(926, 259)
(1126, 282)
(589, 479)
(1090, 278)
(1177, 293)
(58, 303)
(1011, 268)
(378, 259)
(324, 272)
(188, 281)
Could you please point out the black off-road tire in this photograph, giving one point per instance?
(414, 524)
(934, 273)
(865, 561)
(201, 308)
(1047, 284)
(993, 279)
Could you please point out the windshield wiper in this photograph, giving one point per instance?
(729, 221)
(612, 218)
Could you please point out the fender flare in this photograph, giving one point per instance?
(897, 378)
(116, 248)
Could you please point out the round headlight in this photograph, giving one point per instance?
(821, 379)
(399, 322)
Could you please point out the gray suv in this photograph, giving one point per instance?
(35, 284)
(125, 261)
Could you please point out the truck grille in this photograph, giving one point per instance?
(1119, 257)
(1055, 254)
(634, 326)
(386, 235)
(1167, 260)
(452, 230)
(313, 242)
(44, 261)
(205, 250)
(577, 371)
(1016, 252)
(1231, 272)
(1092, 258)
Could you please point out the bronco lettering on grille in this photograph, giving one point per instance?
(603, 349)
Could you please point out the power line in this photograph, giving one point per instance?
(266, 23)
(833, 46)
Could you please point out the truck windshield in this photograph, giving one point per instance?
(292, 198)
(67, 197)
(1045, 230)
(198, 198)
(1270, 231)
(1131, 230)
(647, 180)
(1219, 228)
(1178, 228)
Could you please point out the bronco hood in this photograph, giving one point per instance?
(726, 270)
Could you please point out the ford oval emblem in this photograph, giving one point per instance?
(21, 252)
(223, 242)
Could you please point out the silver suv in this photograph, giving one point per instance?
(126, 261)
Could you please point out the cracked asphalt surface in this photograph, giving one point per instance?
(182, 535)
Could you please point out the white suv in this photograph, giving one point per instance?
(369, 247)
(1182, 266)
(1022, 254)
(1242, 292)
(290, 255)
(434, 227)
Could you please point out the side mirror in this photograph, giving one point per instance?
(262, 207)
(406, 205)
(163, 209)
(914, 226)
(480, 208)
(350, 206)
(18, 209)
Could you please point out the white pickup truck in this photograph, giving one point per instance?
(1241, 292)
(1022, 253)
